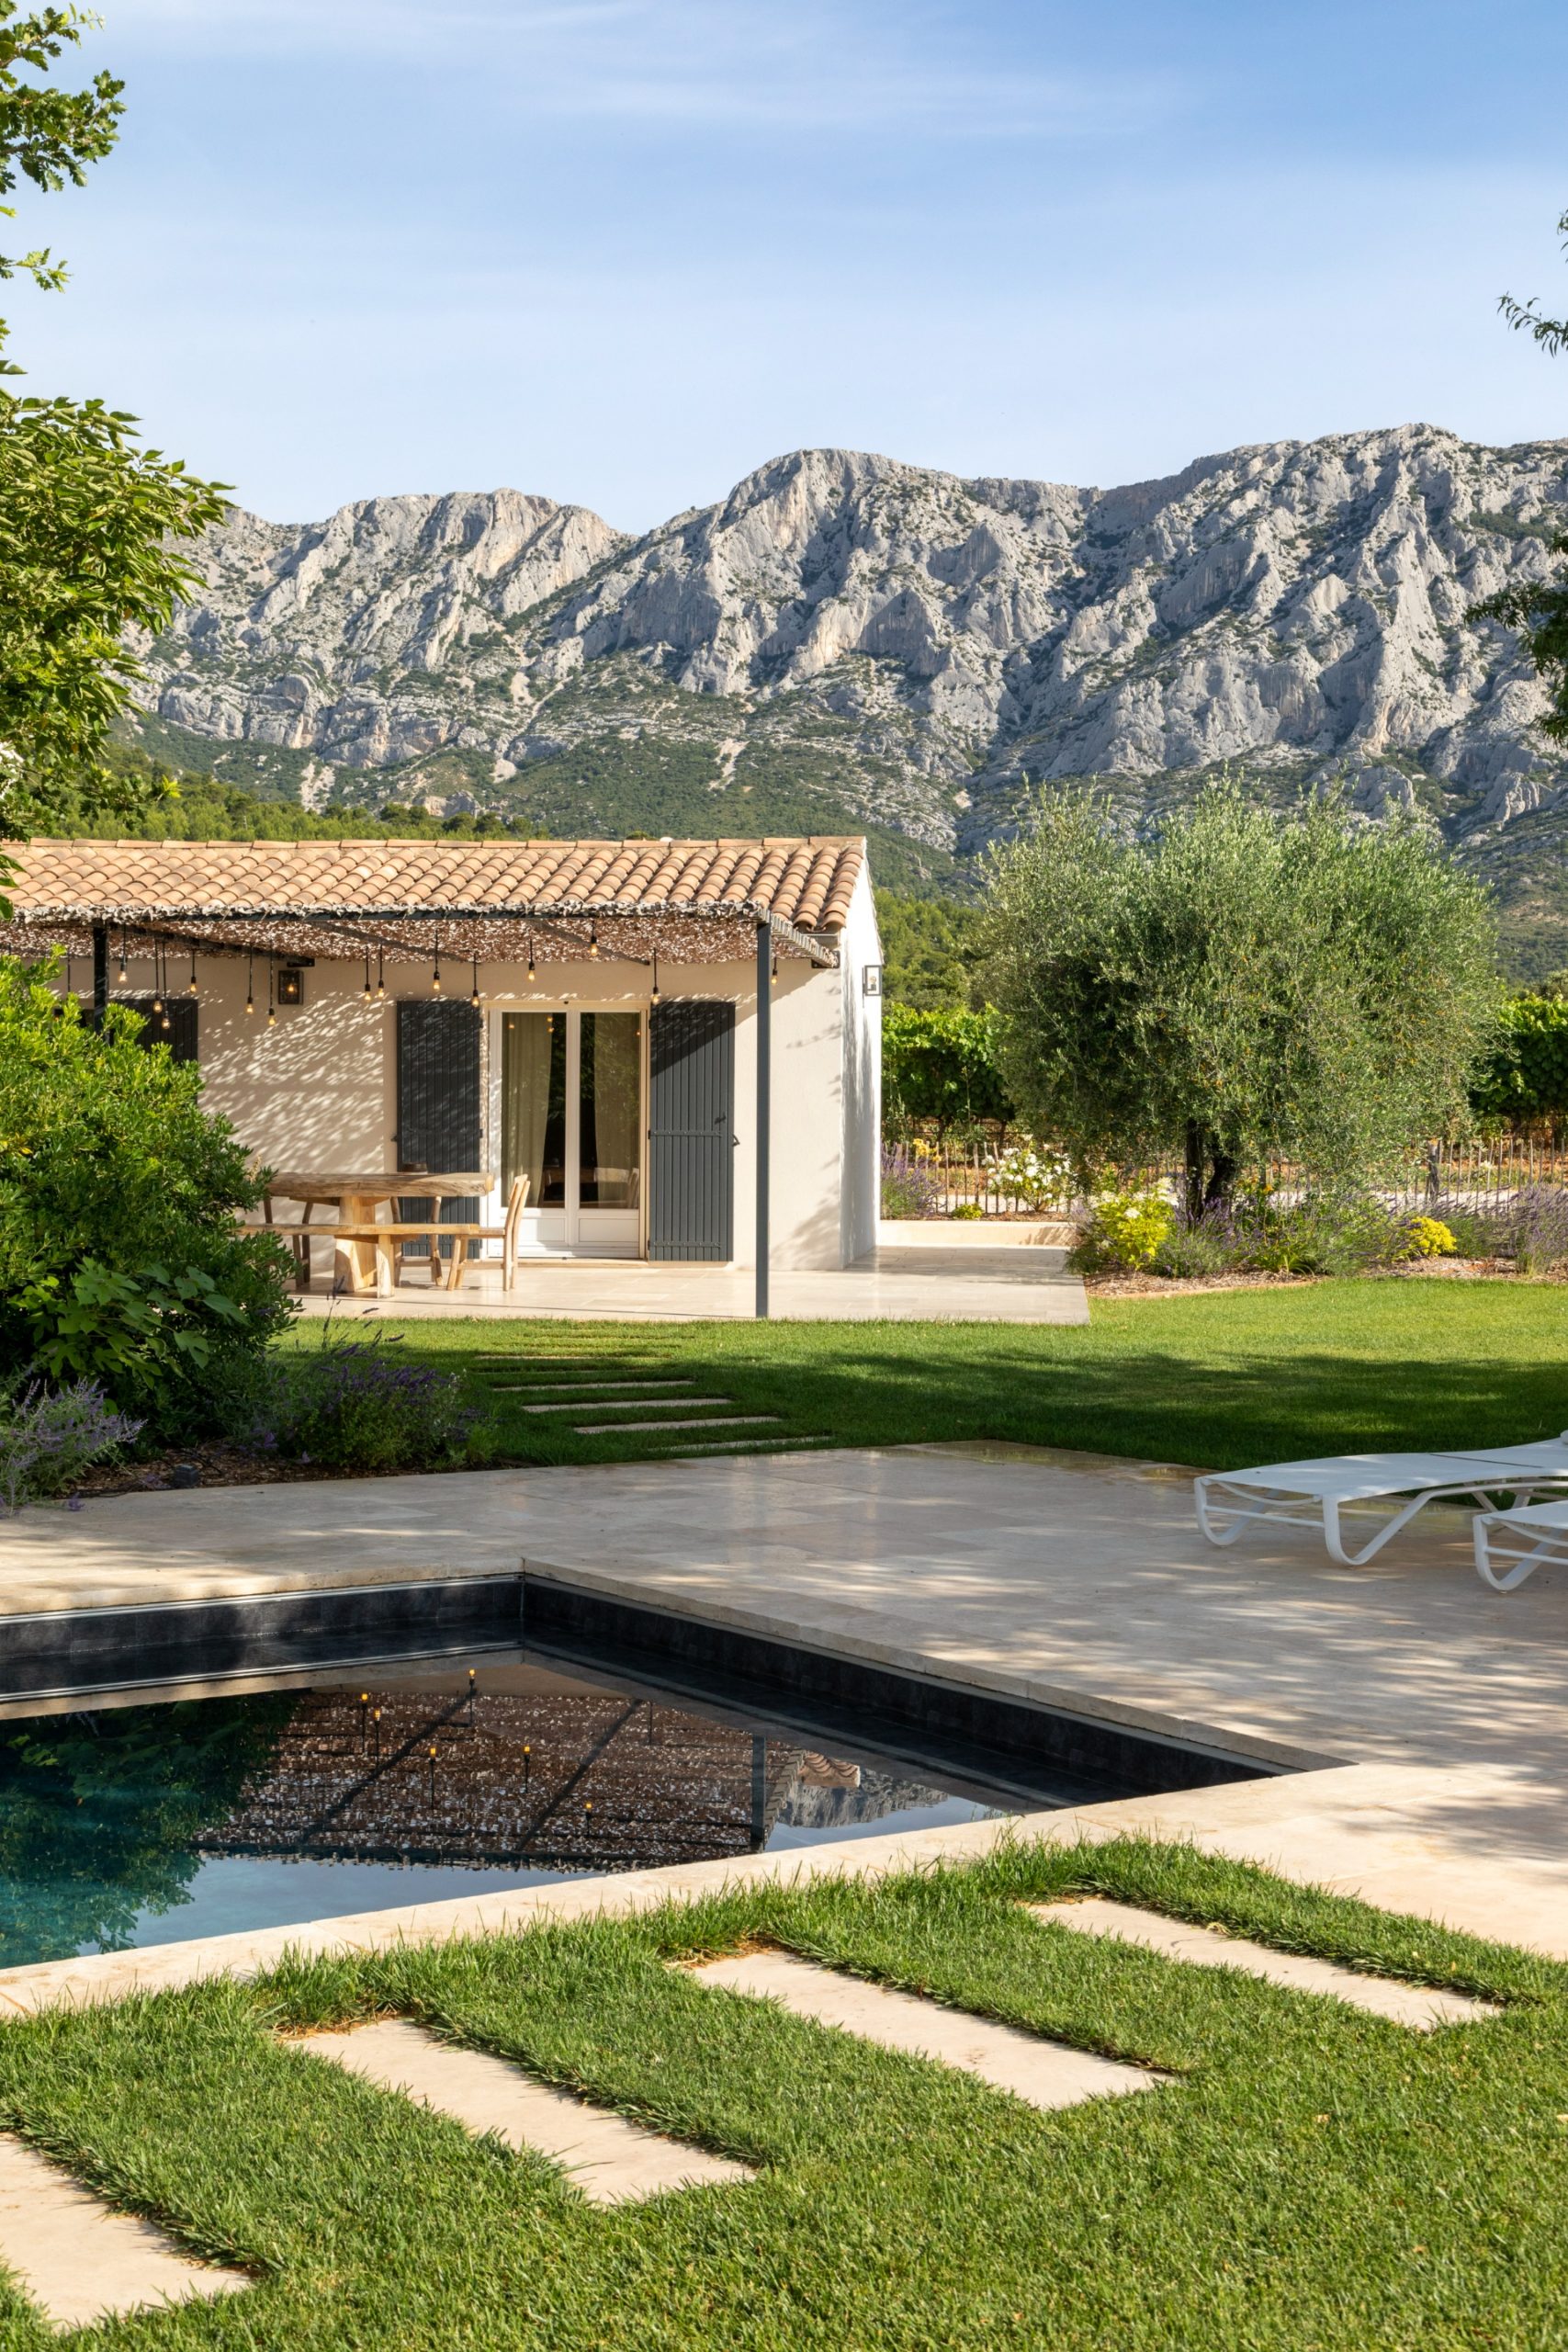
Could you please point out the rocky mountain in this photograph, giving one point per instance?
(845, 639)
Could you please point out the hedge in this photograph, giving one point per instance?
(939, 1066)
(1526, 1075)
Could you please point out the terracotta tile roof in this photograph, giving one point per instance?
(806, 882)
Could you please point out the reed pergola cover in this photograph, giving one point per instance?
(499, 902)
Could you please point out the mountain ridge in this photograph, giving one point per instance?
(847, 639)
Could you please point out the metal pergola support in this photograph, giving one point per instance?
(765, 1105)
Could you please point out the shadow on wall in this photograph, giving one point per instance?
(313, 1090)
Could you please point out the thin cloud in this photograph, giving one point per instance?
(710, 63)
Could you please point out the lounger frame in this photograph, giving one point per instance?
(1227, 1505)
(1493, 1530)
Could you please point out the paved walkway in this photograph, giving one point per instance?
(892, 1285)
(1068, 1579)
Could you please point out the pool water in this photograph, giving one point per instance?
(173, 1815)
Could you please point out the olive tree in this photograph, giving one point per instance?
(1251, 983)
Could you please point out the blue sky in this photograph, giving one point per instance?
(622, 251)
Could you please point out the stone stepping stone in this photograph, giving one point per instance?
(749, 1445)
(1418, 2006)
(78, 2258)
(1046, 2073)
(609, 2158)
(625, 1404)
(712, 1421)
(585, 1391)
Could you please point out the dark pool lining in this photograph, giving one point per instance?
(987, 1734)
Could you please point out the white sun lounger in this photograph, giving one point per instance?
(1307, 1494)
(1529, 1536)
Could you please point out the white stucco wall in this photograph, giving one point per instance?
(859, 1197)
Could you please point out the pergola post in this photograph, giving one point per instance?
(764, 1104)
(100, 972)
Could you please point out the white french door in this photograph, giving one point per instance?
(568, 1090)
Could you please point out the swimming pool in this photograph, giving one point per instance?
(148, 1817)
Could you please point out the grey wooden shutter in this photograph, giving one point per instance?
(691, 1131)
(440, 1119)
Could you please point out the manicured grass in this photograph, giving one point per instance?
(1217, 1379)
(1311, 2179)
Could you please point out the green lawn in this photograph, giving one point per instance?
(1311, 2179)
(1216, 1379)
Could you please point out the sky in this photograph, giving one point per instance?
(622, 252)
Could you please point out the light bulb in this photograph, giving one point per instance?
(249, 1004)
(272, 1016)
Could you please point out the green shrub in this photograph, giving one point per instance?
(351, 1404)
(1328, 1233)
(120, 1259)
(1123, 1231)
(967, 1211)
(941, 1067)
(1525, 1074)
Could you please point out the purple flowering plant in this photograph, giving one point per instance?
(352, 1404)
(48, 1436)
(909, 1186)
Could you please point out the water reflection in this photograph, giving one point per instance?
(237, 1812)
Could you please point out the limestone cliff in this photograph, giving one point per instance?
(845, 639)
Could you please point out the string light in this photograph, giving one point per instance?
(191, 988)
(436, 974)
(157, 979)
(251, 982)
(272, 991)
(593, 940)
(124, 975)
(774, 978)
(530, 955)
(70, 989)
(380, 972)
(369, 991)
(474, 996)
(654, 998)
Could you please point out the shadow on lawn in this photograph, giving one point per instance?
(1165, 1406)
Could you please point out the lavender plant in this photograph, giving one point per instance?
(48, 1436)
(909, 1187)
(1538, 1227)
(1218, 1240)
(351, 1404)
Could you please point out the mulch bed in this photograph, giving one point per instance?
(1169, 1287)
(218, 1463)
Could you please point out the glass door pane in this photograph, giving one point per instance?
(610, 1124)
(532, 1105)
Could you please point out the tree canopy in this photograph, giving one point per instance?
(1251, 983)
(1538, 607)
(89, 519)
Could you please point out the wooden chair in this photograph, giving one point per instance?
(516, 1201)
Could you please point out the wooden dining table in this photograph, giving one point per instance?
(357, 1194)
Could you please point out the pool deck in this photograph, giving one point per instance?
(1440, 1709)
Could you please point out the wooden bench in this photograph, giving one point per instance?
(386, 1238)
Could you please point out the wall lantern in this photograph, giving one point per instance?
(291, 984)
(871, 980)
